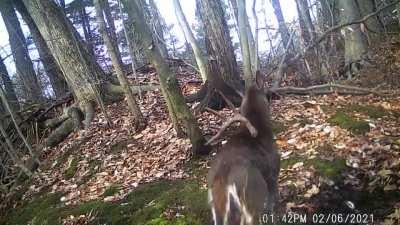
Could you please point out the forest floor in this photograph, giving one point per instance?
(340, 154)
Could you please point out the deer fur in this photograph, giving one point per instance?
(243, 177)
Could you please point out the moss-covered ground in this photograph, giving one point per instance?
(180, 202)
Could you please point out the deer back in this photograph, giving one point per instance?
(243, 177)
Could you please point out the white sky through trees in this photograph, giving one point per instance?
(167, 10)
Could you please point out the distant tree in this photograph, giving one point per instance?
(158, 27)
(244, 42)
(20, 52)
(52, 69)
(250, 38)
(8, 86)
(111, 30)
(306, 24)
(355, 40)
(200, 57)
(218, 42)
(183, 120)
(83, 74)
(113, 51)
(373, 26)
(77, 10)
(283, 30)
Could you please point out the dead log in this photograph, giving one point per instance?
(325, 89)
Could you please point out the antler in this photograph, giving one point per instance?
(236, 118)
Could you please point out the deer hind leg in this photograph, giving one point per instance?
(236, 208)
(216, 218)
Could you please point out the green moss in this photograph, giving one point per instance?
(330, 169)
(286, 163)
(370, 110)
(144, 206)
(356, 126)
(93, 169)
(37, 212)
(278, 127)
(112, 190)
(72, 168)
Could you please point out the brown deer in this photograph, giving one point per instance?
(243, 178)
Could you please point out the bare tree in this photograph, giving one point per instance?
(244, 41)
(20, 53)
(201, 59)
(116, 60)
(53, 71)
(182, 118)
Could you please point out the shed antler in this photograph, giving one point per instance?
(236, 118)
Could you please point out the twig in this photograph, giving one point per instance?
(279, 75)
(236, 118)
(230, 104)
(213, 112)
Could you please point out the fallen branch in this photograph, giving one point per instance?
(325, 89)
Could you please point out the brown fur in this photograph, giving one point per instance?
(252, 164)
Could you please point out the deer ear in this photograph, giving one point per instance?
(259, 80)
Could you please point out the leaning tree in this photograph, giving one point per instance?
(224, 73)
(83, 74)
(183, 120)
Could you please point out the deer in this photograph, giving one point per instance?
(243, 178)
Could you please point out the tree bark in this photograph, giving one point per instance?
(355, 41)
(178, 110)
(53, 71)
(87, 31)
(111, 26)
(249, 33)
(244, 42)
(218, 43)
(12, 152)
(255, 57)
(158, 26)
(201, 59)
(8, 86)
(20, 53)
(283, 30)
(305, 20)
(83, 75)
(373, 25)
(116, 60)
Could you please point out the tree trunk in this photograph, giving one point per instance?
(244, 41)
(158, 26)
(355, 41)
(111, 26)
(87, 31)
(8, 86)
(11, 151)
(305, 20)
(201, 59)
(83, 75)
(218, 43)
(116, 60)
(178, 110)
(19, 49)
(373, 25)
(255, 57)
(249, 33)
(283, 30)
(53, 71)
